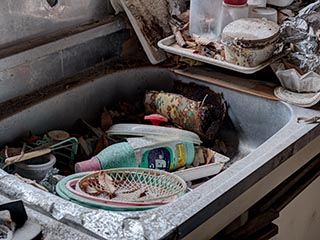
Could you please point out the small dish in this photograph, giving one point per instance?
(298, 99)
(292, 80)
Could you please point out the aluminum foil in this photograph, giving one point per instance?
(98, 223)
(301, 33)
(306, 62)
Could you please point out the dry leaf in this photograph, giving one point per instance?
(106, 120)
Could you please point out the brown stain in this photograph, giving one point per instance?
(235, 83)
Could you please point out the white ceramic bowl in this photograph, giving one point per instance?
(292, 80)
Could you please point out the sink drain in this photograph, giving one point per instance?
(52, 3)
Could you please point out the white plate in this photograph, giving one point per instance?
(169, 45)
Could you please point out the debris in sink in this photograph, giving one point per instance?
(101, 185)
(123, 188)
(166, 147)
(31, 182)
(315, 119)
(51, 179)
(43, 147)
(204, 115)
(58, 135)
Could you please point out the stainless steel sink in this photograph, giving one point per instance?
(249, 122)
(265, 134)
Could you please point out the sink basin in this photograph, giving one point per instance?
(264, 134)
(247, 126)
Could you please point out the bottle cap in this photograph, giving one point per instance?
(92, 164)
(235, 2)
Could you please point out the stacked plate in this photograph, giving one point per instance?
(122, 189)
(301, 90)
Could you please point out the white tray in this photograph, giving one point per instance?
(206, 170)
(169, 45)
(154, 54)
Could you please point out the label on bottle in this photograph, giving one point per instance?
(181, 154)
(164, 158)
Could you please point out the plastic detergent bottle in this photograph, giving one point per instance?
(139, 152)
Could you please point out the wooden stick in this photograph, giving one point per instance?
(27, 156)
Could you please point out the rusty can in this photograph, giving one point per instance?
(249, 42)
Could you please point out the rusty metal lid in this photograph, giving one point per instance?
(251, 31)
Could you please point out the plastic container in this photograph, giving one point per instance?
(250, 41)
(280, 3)
(162, 155)
(258, 3)
(129, 129)
(36, 168)
(264, 12)
(206, 18)
(231, 13)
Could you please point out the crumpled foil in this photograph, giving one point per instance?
(301, 33)
(98, 223)
(306, 62)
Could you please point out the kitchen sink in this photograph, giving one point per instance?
(263, 133)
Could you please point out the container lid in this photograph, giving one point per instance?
(123, 129)
(250, 31)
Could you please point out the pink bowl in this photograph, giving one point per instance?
(73, 187)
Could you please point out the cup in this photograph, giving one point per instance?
(264, 12)
(231, 13)
(257, 3)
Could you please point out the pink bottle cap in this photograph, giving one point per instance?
(235, 2)
(156, 119)
(92, 164)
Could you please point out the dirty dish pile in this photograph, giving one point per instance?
(122, 188)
